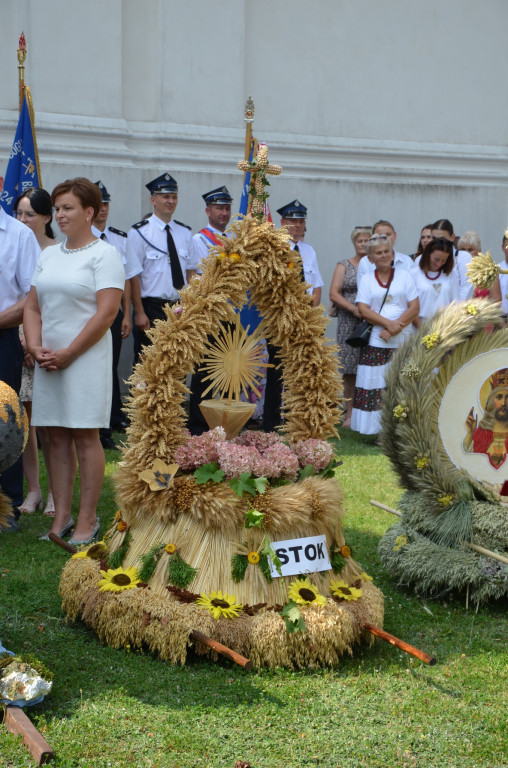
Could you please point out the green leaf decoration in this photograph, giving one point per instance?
(269, 551)
(337, 561)
(208, 472)
(329, 470)
(260, 483)
(149, 562)
(116, 558)
(244, 484)
(253, 518)
(293, 618)
(265, 567)
(180, 573)
(307, 471)
(239, 565)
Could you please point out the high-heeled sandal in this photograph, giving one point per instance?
(32, 502)
(49, 509)
(65, 530)
(94, 536)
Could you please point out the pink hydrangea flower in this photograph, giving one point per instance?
(200, 449)
(235, 459)
(318, 453)
(259, 440)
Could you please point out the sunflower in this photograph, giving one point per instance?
(365, 576)
(170, 548)
(345, 551)
(121, 526)
(220, 604)
(343, 591)
(95, 552)
(118, 579)
(253, 557)
(303, 592)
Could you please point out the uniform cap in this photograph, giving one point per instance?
(294, 210)
(162, 185)
(106, 197)
(218, 196)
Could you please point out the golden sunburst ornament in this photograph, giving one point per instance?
(235, 361)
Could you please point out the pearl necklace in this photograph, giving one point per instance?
(76, 250)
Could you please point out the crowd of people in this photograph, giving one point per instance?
(396, 293)
(75, 300)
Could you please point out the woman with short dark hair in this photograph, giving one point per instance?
(75, 295)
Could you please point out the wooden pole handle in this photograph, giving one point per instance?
(61, 543)
(20, 724)
(400, 644)
(222, 649)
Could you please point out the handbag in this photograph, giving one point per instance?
(361, 336)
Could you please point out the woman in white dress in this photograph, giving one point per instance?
(391, 320)
(435, 278)
(75, 295)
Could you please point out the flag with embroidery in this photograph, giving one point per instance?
(23, 165)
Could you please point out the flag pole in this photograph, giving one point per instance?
(24, 90)
(21, 68)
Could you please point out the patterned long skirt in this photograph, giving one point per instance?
(370, 382)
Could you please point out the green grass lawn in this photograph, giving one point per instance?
(381, 708)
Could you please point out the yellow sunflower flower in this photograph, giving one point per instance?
(121, 526)
(170, 548)
(365, 576)
(95, 552)
(220, 604)
(253, 557)
(118, 579)
(302, 592)
(343, 591)
(345, 551)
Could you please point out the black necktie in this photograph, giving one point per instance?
(176, 269)
(301, 273)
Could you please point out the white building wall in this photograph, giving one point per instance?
(392, 110)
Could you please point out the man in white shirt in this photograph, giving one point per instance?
(121, 326)
(400, 260)
(294, 218)
(19, 252)
(218, 211)
(158, 249)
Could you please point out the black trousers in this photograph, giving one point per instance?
(273, 391)
(117, 415)
(11, 362)
(154, 310)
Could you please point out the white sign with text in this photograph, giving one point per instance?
(301, 556)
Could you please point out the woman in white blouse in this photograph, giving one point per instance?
(436, 280)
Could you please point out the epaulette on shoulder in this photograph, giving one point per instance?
(183, 225)
(140, 224)
(117, 231)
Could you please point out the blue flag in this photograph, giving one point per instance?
(249, 314)
(21, 170)
(244, 200)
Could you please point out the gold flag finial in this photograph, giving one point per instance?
(21, 68)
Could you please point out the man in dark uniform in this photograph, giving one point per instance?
(218, 211)
(158, 248)
(121, 326)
